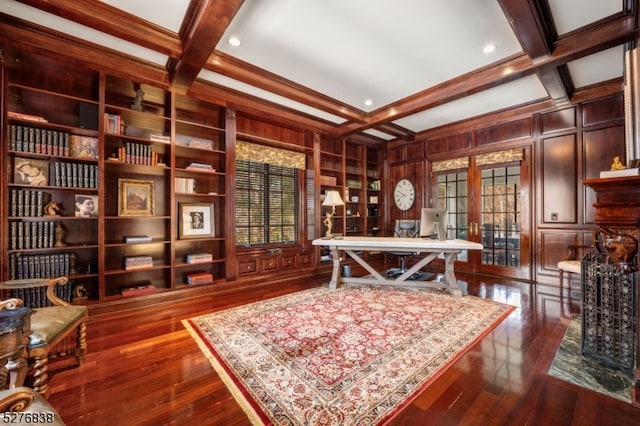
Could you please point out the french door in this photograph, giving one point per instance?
(487, 201)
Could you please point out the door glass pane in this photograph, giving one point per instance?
(452, 196)
(501, 216)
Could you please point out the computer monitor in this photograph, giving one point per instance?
(433, 223)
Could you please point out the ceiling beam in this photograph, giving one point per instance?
(203, 27)
(557, 81)
(533, 29)
(43, 40)
(244, 72)
(223, 96)
(110, 20)
(603, 35)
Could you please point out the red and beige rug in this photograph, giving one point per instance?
(352, 356)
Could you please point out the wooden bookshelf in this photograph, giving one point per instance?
(140, 137)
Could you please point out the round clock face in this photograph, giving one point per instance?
(404, 194)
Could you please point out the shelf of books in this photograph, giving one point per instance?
(137, 179)
(354, 190)
(200, 193)
(374, 194)
(51, 164)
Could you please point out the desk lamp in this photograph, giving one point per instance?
(333, 199)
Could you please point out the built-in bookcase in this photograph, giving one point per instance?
(51, 161)
(147, 160)
(355, 171)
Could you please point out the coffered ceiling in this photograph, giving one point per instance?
(390, 69)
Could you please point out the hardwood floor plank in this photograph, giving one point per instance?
(143, 368)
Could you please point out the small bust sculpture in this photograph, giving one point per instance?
(617, 163)
(137, 100)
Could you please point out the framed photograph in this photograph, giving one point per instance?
(86, 205)
(28, 171)
(135, 197)
(195, 220)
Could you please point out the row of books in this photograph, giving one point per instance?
(39, 141)
(75, 175)
(37, 296)
(198, 257)
(185, 185)
(31, 235)
(354, 183)
(39, 265)
(199, 277)
(133, 263)
(113, 124)
(328, 180)
(27, 202)
(139, 153)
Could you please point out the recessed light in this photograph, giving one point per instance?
(489, 48)
(368, 102)
(234, 41)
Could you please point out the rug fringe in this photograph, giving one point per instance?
(237, 394)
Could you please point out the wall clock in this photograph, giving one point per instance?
(404, 194)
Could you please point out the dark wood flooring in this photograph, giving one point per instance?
(143, 368)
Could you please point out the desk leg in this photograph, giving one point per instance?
(450, 276)
(335, 274)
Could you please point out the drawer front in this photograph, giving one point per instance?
(288, 261)
(248, 267)
(269, 264)
(305, 259)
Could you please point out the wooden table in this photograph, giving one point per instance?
(427, 248)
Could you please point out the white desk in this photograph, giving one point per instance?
(429, 249)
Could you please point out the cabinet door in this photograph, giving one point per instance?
(488, 203)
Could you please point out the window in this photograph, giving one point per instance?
(267, 208)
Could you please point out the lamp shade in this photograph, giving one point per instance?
(332, 198)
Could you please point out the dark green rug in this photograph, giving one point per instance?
(571, 366)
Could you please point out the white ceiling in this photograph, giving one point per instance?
(382, 50)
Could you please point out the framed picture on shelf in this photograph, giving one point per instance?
(83, 147)
(86, 205)
(28, 171)
(195, 220)
(135, 197)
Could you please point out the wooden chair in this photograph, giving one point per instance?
(23, 406)
(572, 264)
(52, 321)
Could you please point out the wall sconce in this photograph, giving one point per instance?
(333, 199)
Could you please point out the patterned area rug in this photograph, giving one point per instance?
(571, 366)
(351, 356)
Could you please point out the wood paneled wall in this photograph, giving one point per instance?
(570, 143)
